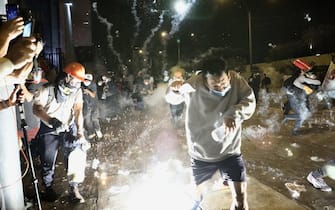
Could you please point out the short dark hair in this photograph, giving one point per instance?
(214, 66)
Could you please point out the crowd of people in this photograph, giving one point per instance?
(60, 111)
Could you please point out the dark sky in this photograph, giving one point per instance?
(223, 24)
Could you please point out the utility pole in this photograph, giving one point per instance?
(250, 39)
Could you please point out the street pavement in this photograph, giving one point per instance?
(143, 163)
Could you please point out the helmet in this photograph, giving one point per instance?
(76, 70)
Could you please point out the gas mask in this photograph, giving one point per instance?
(220, 93)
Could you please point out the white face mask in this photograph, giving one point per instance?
(220, 93)
(87, 83)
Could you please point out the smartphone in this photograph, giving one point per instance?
(12, 11)
(28, 29)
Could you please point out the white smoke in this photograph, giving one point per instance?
(178, 18)
(152, 34)
(109, 26)
(137, 19)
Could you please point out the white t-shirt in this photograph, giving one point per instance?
(63, 111)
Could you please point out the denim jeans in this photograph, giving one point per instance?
(300, 110)
(48, 149)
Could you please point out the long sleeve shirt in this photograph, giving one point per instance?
(204, 109)
(301, 80)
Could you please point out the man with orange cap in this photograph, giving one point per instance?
(297, 89)
(59, 107)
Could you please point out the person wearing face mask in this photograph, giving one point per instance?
(59, 107)
(176, 108)
(90, 111)
(214, 98)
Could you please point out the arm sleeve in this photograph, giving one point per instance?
(302, 79)
(246, 105)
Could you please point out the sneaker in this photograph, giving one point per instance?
(99, 134)
(91, 136)
(283, 121)
(318, 183)
(295, 133)
(49, 195)
(196, 204)
(76, 196)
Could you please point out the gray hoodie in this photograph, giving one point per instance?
(204, 109)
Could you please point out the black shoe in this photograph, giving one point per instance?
(75, 195)
(49, 195)
(296, 133)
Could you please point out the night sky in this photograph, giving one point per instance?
(280, 28)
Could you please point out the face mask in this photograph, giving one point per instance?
(87, 83)
(220, 93)
(66, 88)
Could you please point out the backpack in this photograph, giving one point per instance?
(290, 87)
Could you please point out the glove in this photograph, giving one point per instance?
(308, 90)
(55, 122)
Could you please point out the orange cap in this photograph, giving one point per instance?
(302, 65)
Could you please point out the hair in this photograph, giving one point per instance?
(214, 66)
(175, 69)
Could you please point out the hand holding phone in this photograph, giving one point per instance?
(28, 29)
(12, 11)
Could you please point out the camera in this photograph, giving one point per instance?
(13, 10)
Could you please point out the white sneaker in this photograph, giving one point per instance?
(318, 183)
(99, 134)
(91, 136)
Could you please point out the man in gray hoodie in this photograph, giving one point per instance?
(216, 100)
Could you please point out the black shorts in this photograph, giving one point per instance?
(232, 168)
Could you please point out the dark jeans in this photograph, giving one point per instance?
(91, 120)
(48, 149)
(176, 110)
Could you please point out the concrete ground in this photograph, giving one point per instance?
(143, 163)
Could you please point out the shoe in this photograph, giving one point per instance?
(91, 136)
(283, 121)
(99, 134)
(196, 204)
(318, 183)
(49, 195)
(76, 196)
(295, 133)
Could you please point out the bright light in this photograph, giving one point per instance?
(180, 7)
(164, 34)
(308, 18)
(162, 188)
(68, 4)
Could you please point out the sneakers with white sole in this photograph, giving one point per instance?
(318, 183)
